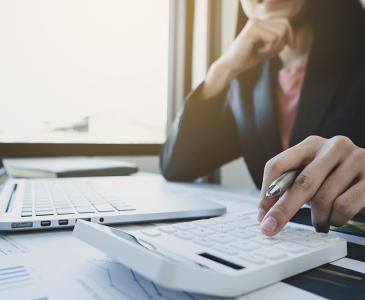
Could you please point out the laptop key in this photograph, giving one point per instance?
(39, 209)
(63, 207)
(84, 209)
(44, 213)
(104, 207)
(123, 207)
(65, 211)
(26, 214)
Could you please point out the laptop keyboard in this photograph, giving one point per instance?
(56, 198)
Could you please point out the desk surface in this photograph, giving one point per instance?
(55, 265)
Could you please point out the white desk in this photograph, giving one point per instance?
(55, 265)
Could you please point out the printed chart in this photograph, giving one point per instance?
(8, 246)
(14, 276)
(123, 283)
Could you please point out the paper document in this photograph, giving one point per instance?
(55, 265)
(85, 273)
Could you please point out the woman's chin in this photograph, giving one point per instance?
(273, 3)
(269, 9)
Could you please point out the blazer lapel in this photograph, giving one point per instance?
(253, 109)
(265, 110)
(327, 60)
(317, 94)
(241, 105)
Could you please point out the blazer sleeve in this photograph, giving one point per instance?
(202, 138)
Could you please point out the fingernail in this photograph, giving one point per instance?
(260, 215)
(269, 225)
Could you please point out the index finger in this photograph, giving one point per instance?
(290, 159)
(289, 30)
(304, 188)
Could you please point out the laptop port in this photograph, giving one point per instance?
(63, 222)
(22, 225)
(86, 219)
(45, 223)
(101, 220)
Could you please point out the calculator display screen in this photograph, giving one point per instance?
(221, 261)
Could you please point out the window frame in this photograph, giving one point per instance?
(179, 83)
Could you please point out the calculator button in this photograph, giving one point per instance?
(151, 232)
(310, 243)
(266, 241)
(247, 223)
(222, 238)
(291, 247)
(271, 254)
(245, 246)
(221, 220)
(327, 238)
(203, 223)
(225, 249)
(205, 242)
(222, 228)
(202, 232)
(242, 234)
(252, 258)
(184, 235)
(184, 226)
(296, 231)
(167, 229)
(255, 228)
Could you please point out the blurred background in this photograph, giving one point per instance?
(93, 77)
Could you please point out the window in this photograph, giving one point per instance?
(84, 71)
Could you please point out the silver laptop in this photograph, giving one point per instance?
(33, 204)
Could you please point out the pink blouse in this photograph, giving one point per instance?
(288, 90)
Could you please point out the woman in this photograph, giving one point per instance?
(294, 74)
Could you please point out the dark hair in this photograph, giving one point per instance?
(338, 26)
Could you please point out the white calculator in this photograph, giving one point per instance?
(224, 256)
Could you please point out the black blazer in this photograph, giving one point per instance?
(242, 121)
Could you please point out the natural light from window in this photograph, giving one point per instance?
(83, 71)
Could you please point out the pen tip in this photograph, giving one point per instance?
(273, 190)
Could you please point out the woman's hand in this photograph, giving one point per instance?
(332, 182)
(257, 41)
